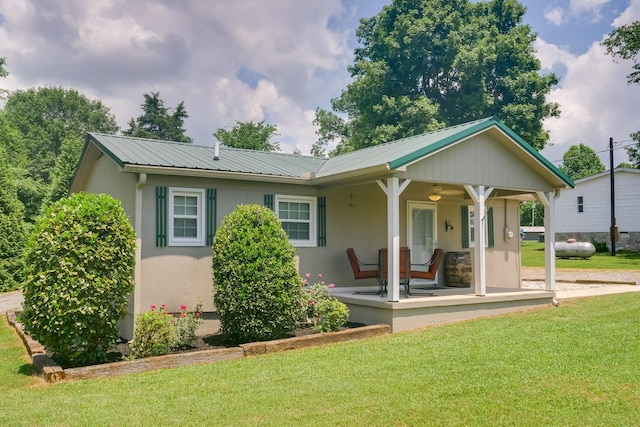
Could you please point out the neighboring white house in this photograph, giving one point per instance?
(584, 212)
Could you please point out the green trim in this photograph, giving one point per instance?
(211, 214)
(491, 241)
(322, 221)
(104, 149)
(465, 226)
(161, 216)
(268, 201)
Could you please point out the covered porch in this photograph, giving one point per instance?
(436, 305)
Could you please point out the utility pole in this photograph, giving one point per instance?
(614, 228)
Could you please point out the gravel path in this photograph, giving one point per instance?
(11, 301)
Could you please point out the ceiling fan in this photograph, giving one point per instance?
(436, 192)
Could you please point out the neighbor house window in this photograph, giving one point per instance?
(298, 217)
(186, 217)
(580, 204)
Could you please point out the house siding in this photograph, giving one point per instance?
(595, 220)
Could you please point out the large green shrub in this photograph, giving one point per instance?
(255, 283)
(79, 270)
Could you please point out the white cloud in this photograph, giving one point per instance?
(116, 51)
(588, 7)
(631, 14)
(595, 102)
(554, 15)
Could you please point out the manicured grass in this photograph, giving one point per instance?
(533, 256)
(573, 365)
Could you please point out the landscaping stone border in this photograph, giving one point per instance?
(51, 372)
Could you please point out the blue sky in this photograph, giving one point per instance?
(279, 60)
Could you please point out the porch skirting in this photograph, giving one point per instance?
(438, 306)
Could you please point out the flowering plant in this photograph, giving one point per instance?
(320, 307)
(158, 332)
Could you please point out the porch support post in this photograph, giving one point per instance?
(393, 189)
(479, 195)
(137, 275)
(548, 201)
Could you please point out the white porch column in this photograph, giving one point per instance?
(393, 189)
(479, 195)
(548, 199)
(137, 275)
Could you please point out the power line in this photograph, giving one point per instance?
(606, 150)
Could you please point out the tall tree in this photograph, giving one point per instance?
(44, 117)
(581, 161)
(624, 42)
(12, 228)
(425, 64)
(157, 122)
(249, 135)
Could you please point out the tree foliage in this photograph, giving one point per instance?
(249, 135)
(256, 288)
(426, 64)
(624, 42)
(12, 229)
(46, 116)
(581, 161)
(158, 122)
(79, 263)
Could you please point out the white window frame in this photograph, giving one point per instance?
(472, 228)
(312, 221)
(199, 194)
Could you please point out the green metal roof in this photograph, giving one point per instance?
(389, 156)
(152, 152)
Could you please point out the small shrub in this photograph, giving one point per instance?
(153, 334)
(255, 284)
(320, 307)
(79, 264)
(330, 315)
(600, 246)
(157, 332)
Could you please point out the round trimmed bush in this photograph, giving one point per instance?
(79, 264)
(255, 283)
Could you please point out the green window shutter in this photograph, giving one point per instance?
(268, 201)
(322, 221)
(465, 226)
(211, 214)
(490, 227)
(161, 216)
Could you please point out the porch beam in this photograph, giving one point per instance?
(393, 189)
(479, 194)
(548, 201)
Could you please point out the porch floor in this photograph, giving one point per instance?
(432, 305)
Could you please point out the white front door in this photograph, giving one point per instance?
(421, 229)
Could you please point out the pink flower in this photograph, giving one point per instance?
(320, 275)
(153, 307)
(183, 315)
(183, 307)
(307, 275)
(331, 285)
(163, 306)
(197, 314)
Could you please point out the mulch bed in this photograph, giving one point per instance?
(122, 350)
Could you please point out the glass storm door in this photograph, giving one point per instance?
(421, 229)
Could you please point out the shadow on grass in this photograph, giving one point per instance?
(26, 369)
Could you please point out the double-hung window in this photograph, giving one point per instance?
(580, 204)
(298, 217)
(186, 217)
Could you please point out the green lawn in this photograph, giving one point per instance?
(574, 365)
(533, 256)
